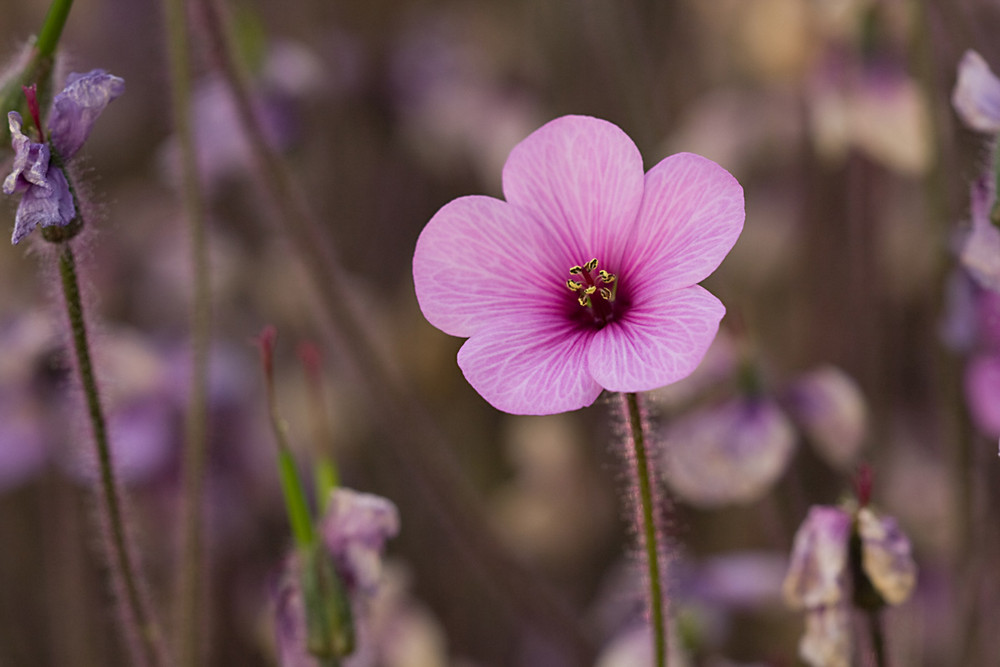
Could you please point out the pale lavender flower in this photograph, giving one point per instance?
(727, 454)
(976, 97)
(585, 278)
(354, 530)
(37, 171)
(980, 253)
(828, 405)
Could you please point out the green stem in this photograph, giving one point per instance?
(121, 558)
(55, 19)
(190, 617)
(649, 532)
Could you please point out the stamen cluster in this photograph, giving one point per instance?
(589, 282)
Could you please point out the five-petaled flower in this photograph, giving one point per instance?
(585, 277)
(38, 171)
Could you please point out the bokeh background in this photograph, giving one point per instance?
(835, 116)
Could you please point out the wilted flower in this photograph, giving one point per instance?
(353, 533)
(826, 576)
(585, 277)
(729, 453)
(976, 97)
(38, 169)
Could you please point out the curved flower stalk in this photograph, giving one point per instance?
(584, 279)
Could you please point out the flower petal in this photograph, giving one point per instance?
(659, 340)
(480, 258)
(31, 160)
(817, 570)
(530, 369)
(75, 109)
(976, 97)
(692, 213)
(582, 177)
(46, 205)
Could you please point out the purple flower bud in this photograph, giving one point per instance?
(354, 530)
(731, 453)
(976, 97)
(828, 405)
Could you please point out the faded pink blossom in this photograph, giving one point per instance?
(585, 277)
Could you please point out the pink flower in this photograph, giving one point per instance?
(585, 277)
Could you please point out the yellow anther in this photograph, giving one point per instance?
(584, 300)
(606, 277)
(576, 270)
(606, 294)
(590, 289)
(573, 285)
(591, 265)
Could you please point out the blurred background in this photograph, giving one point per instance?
(849, 319)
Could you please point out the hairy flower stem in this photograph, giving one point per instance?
(649, 531)
(121, 561)
(190, 618)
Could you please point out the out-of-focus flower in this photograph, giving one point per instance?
(980, 252)
(37, 171)
(25, 436)
(876, 109)
(976, 96)
(455, 101)
(354, 530)
(729, 453)
(828, 405)
(982, 392)
(353, 533)
(585, 277)
(827, 577)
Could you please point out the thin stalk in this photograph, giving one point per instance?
(55, 19)
(190, 616)
(878, 638)
(121, 560)
(649, 531)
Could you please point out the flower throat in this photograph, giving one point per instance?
(596, 290)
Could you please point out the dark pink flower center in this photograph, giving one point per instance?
(596, 291)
